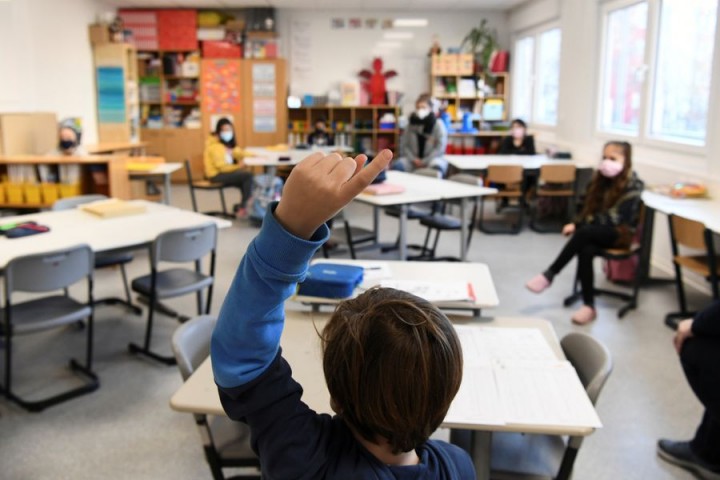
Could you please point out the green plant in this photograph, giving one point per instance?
(482, 42)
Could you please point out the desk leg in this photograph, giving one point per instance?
(463, 229)
(403, 232)
(376, 224)
(167, 193)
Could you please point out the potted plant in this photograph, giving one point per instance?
(482, 42)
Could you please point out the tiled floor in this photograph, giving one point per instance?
(127, 430)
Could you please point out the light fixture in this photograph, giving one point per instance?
(410, 22)
(398, 35)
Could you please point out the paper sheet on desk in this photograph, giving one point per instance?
(432, 291)
(477, 400)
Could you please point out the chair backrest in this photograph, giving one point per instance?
(466, 178)
(591, 360)
(73, 202)
(184, 244)
(688, 233)
(558, 173)
(505, 174)
(428, 172)
(191, 343)
(53, 270)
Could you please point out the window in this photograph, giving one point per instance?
(683, 70)
(624, 66)
(672, 105)
(536, 74)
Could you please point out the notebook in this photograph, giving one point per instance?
(113, 208)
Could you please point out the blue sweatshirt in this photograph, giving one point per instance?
(257, 388)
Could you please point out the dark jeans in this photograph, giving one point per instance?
(700, 357)
(239, 178)
(585, 243)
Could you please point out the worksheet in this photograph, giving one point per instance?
(434, 291)
(477, 401)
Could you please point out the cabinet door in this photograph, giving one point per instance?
(264, 102)
(184, 144)
(156, 141)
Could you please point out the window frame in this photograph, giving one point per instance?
(535, 32)
(645, 137)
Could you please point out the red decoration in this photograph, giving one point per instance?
(375, 86)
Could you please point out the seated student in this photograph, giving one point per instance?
(424, 141)
(697, 341)
(320, 137)
(519, 142)
(608, 219)
(223, 164)
(370, 344)
(69, 136)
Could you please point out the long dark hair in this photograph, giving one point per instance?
(603, 192)
(218, 128)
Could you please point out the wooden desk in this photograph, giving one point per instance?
(73, 227)
(421, 189)
(301, 348)
(164, 170)
(476, 274)
(131, 148)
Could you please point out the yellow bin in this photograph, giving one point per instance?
(32, 194)
(69, 190)
(14, 193)
(2, 193)
(50, 193)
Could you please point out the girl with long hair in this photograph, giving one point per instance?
(608, 220)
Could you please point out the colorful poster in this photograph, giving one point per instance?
(337, 23)
(221, 86)
(264, 98)
(355, 23)
(111, 94)
(371, 23)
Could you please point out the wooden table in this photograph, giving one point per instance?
(131, 148)
(421, 189)
(301, 348)
(73, 227)
(164, 170)
(475, 274)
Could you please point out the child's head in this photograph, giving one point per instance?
(393, 364)
(609, 181)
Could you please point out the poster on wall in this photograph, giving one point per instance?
(221, 86)
(264, 99)
(337, 23)
(111, 94)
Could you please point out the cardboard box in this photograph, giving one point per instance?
(28, 133)
(99, 34)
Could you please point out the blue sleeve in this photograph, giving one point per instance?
(247, 335)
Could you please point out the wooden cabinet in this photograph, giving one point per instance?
(264, 92)
(28, 133)
(177, 145)
(116, 88)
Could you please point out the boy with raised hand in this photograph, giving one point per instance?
(392, 361)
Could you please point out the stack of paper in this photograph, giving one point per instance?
(434, 291)
(113, 208)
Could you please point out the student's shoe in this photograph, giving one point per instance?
(538, 284)
(584, 315)
(242, 213)
(680, 454)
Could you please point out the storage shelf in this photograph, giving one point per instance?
(486, 133)
(25, 205)
(179, 77)
(183, 102)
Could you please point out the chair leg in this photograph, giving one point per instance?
(576, 293)
(566, 466)
(199, 301)
(145, 348)
(348, 238)
(209, 300)
(222, 201)
(192, 196)
(127, 302)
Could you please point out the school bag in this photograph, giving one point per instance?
(266, 189)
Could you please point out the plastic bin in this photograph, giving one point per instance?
(2, 193)
(32, 194)
(69, 190)
(50, 193)
(14, 193)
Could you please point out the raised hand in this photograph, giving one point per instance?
(321, 185)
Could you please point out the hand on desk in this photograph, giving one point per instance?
(684, 331)
(321, 185)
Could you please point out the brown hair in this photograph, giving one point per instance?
(393, 364)
(603, 193)
(424, 98)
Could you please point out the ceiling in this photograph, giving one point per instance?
(410, 5)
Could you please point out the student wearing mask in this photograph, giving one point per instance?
(697, 341)
(608, 220)
(384, 417)
(69, 136)
(519, 142)
(320, 137)
(424, 141)
(224, 164)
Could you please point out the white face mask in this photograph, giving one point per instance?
(422, 112)
(609, 168)
(226, 136)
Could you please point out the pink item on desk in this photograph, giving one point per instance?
(384, 189)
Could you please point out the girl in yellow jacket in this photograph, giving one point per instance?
(224, 165)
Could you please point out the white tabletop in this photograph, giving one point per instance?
(160, 169)
(703, 210)
(419, 189)
(301, 348)
(74, 227)
(481, 162)
(265, 157)
(476, 274)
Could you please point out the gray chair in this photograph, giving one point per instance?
(226, 443)
(206, 185)
(104, 260)
(176, 246)
(440, 221)
(518, 456)
(41, 273)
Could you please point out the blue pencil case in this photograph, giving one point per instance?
(331, 280)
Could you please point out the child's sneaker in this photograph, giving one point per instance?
(538, 284)
(584, 315)
(242, 213)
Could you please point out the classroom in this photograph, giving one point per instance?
(360, 239)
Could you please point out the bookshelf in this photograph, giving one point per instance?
(357, 127)
(116, 89)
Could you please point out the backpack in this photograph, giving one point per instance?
(266, 189)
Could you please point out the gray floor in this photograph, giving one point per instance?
(127, 430)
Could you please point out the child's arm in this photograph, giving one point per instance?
(247, 335)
